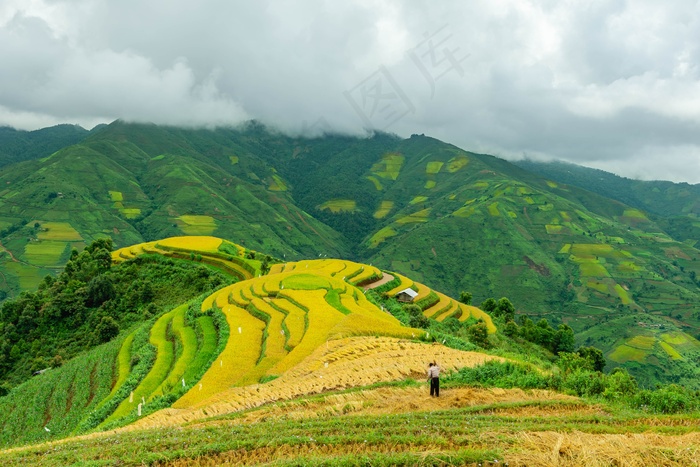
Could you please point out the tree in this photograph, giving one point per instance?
(99, 290)
(564, 339)
(106, 330)
(488, 305)
(416, 317)
(506, 309)
(466, 297)
(593, 355)
(511, 329)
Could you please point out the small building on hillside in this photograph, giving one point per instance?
(406, 295)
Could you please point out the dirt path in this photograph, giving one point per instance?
(385, 278)
(9, 253)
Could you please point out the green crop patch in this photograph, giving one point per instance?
(380, 236)
(433, 167)
(593, 269)
(130, 213)
(196, 225)
(29, 277)
(622, 293)
(420, 216)
(480, 185)
(583, 250)
(306, 282)
(384, 208)
(59, 231)
(44, 253)
(457, 163)
(430, 184)
(116, 196)
(642, 342)
(566, 248)
(634, 214)
(673, 353)
(493, 209)
(233, 160)
(337, 206)
(464, 211)
(418, 200)
(375, 181)
(680, 339)
(601, 287)
(554, 229)
(277, 184)
(624, 353)
(389, 167)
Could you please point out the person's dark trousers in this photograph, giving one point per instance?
(435, 387)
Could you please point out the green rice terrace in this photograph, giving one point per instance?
(198, 351)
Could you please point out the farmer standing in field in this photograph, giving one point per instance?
(434, 378)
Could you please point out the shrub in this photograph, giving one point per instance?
(479, 334)
(584, 383)
(500, 374)
(667, 400)
(620, 384)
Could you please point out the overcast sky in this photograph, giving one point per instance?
(611, 84)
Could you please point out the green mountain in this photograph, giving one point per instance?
(18, 145)
(675, 206)
(611, 269)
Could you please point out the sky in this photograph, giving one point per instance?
(610, 84)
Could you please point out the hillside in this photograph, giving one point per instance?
(312, 364)
(676, 206)
(216, 350)
(18, 145)
(451, 219)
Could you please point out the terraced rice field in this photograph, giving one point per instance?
(384, 208)
(457, 163)
(389, 167)
(342, 363)
(380, 236)
(45, 253)
(196, 225)
(433, 167)
(277, 184)
(58, 231)
(416, 217)
(203, 248)
(304, 328)
(339, 205)
(276, 321)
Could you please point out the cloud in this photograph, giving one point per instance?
(609, 83)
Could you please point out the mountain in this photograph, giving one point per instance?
(18, 145)
(675, 206)
(454, 220)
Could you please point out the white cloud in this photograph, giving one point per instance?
(609, 83)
